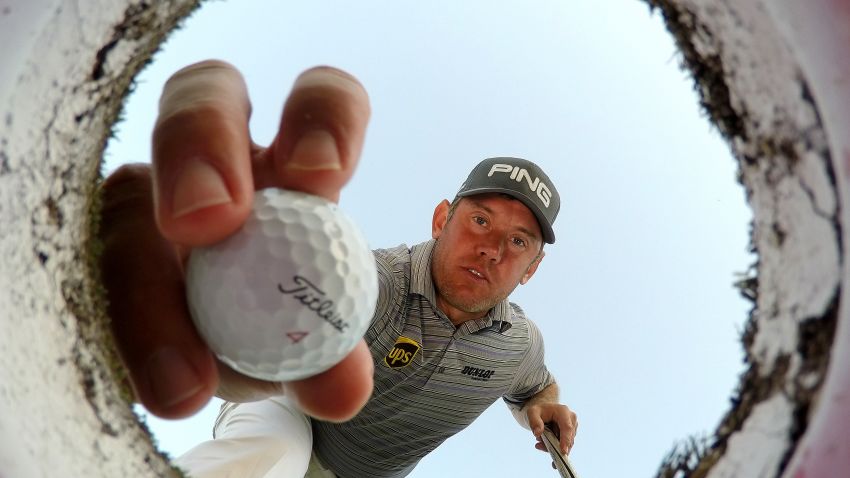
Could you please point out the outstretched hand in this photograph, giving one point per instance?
(559, 417)
(198, 191)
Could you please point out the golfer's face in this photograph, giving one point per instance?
(484, 250)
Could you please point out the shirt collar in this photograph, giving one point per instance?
(422, 284)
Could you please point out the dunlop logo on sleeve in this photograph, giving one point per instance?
(402, 353)
(478, 373)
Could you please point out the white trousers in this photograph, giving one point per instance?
(266, 439)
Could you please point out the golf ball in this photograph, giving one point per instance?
(289, 294)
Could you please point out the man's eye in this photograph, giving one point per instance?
(479, 220)
(519, 241)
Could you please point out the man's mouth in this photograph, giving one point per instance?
(477, 273)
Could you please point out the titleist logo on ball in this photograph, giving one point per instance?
(314, 299)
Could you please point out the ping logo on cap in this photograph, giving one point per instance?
(402, 353)
(519, 174)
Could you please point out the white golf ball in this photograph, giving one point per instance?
(288, 295)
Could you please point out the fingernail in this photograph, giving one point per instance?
(172, 378)
(199, 185)
(315, 150)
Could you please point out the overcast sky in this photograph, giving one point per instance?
(635, 299)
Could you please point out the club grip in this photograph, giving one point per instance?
(562, 463)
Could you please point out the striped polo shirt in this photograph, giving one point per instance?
(432, 379)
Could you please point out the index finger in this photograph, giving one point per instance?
(202, 154)
(321, 135)
(566, 427)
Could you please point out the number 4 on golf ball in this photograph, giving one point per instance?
(290, 294)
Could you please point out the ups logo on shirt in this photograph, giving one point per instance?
(402, 353)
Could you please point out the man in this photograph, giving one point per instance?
(444, 342)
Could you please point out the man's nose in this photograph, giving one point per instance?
(491, 248)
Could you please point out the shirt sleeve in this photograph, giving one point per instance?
(532, 375)
(392, 285)
(383, 264)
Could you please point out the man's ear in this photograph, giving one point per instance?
(441, 216)
(532, 269)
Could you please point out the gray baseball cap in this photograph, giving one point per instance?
(521, 179)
